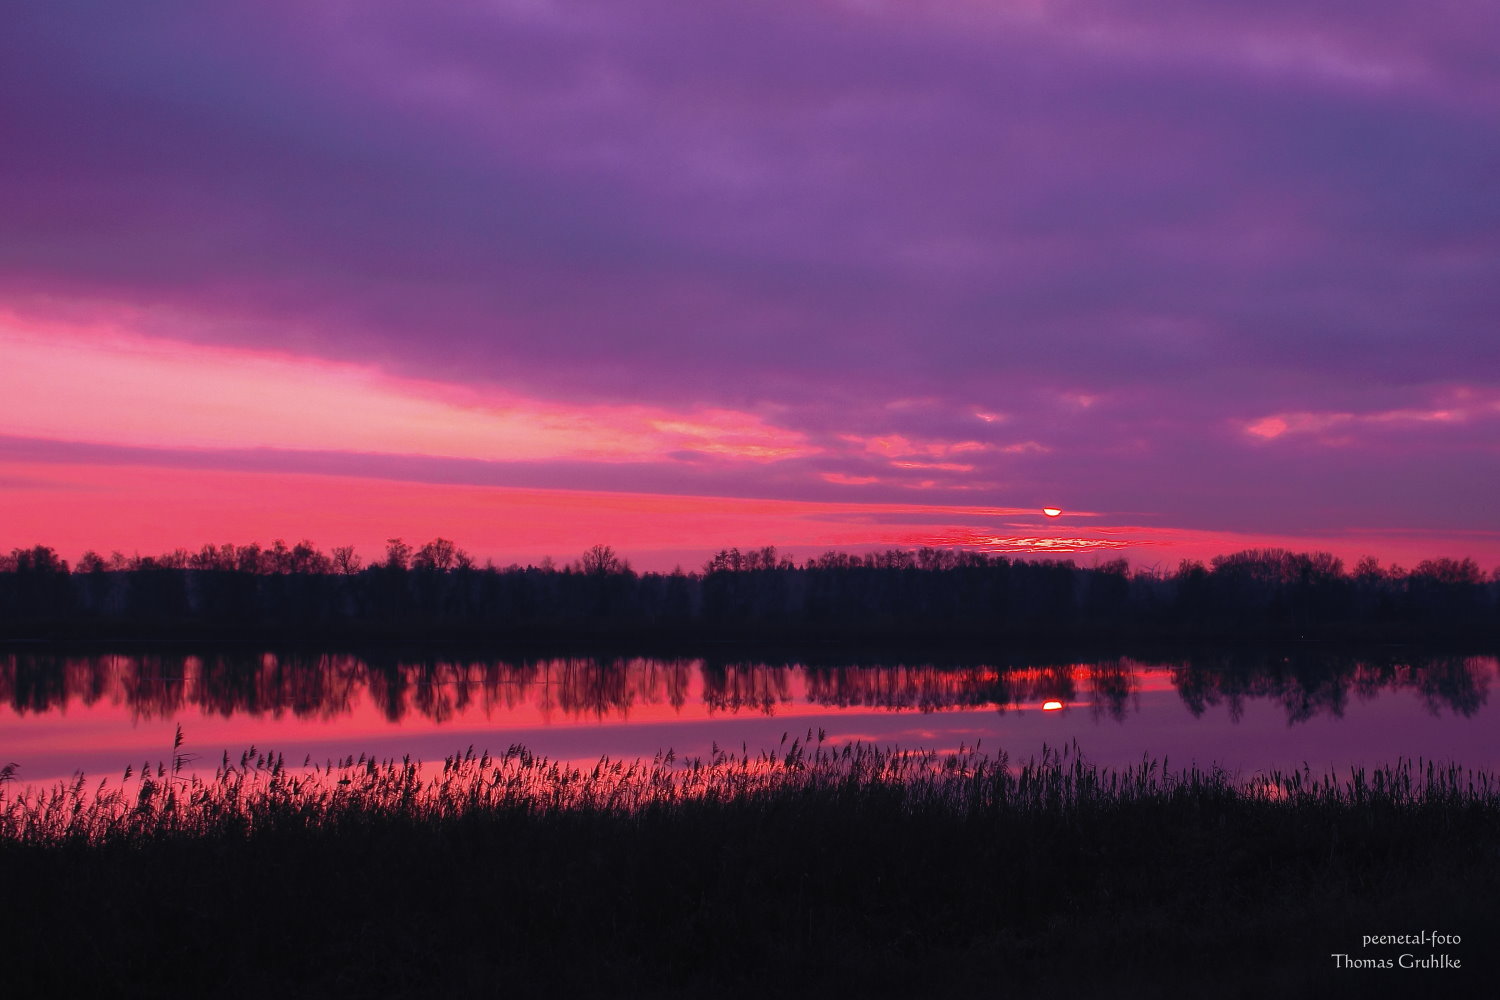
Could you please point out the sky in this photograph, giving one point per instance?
(807, 273)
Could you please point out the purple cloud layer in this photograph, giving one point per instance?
(1130, 230)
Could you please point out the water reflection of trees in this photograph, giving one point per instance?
(1312, 683)
(321, 685)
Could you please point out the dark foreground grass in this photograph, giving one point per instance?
(845, 871)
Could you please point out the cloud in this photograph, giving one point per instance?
(120, 389)
(1143, 258)
(1456, 407)
(743, 200)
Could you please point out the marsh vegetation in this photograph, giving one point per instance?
(793, 871)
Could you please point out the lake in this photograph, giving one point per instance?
(1245, 710)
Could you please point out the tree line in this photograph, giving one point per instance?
(439, 589)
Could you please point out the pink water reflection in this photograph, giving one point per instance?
(98, 713)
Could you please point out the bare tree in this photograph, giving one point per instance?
(397, 553)
(345, 560)
(601, 560)
(438, 554)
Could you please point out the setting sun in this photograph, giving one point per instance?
(1052, 511)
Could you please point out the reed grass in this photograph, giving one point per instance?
(813, 867)
(260, 790)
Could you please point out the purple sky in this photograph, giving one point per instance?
(1228, 268)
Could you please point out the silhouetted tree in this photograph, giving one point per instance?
(600, 560)
(927, 592)
(439, 554)
(397, 554)
(345, 560)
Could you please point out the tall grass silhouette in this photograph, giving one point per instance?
(259, 790)
(810, 869)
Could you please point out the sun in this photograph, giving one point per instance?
(1052, 511)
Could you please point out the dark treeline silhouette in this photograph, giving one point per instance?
(327, 685)
(929, 593)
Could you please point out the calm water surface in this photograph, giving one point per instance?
(61, 714)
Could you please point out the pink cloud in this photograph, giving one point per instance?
(111, 386)
(937, 466)
(901, 446)
(1458, 405)
(153, 509)
(845, 480)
